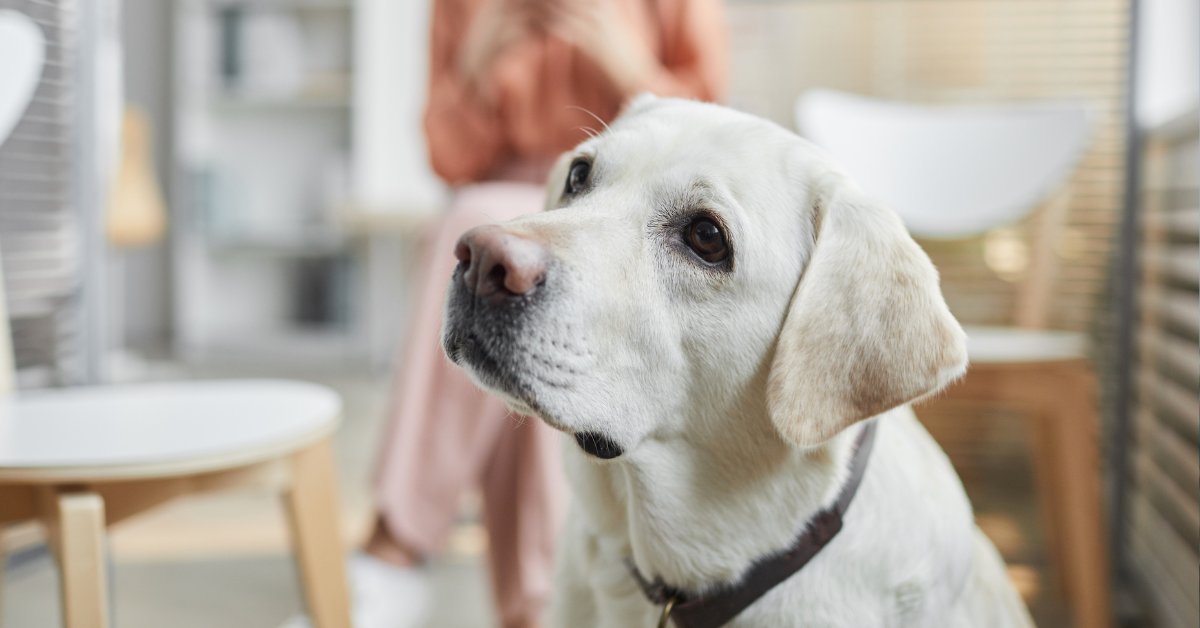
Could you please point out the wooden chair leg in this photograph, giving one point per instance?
(75, 523)
(1049, 491)
(3, 571)
(1075, 441)
(313, 508)
(1064, 435)
(18, 504)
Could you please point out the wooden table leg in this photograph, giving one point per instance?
(75, 526)
(1075, 427)
(313, 509)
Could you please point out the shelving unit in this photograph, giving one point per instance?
(264, 269)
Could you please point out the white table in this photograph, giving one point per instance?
(82, 459)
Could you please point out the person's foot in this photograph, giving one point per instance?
(382, 595)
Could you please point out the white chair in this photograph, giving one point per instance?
(957, 172)
(22, 51)
(80, 460)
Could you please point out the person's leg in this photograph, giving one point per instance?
(429, 461)
(524, 492)
(442, 427)
(434, 447)
(446, 433)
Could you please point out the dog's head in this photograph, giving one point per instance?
(697, 265)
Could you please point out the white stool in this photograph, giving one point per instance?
(82, 459)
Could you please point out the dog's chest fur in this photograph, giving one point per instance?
(902, 559)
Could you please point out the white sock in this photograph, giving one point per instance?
(382, 595)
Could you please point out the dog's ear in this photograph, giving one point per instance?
(556, 181)
(867, 329)
(640, 102)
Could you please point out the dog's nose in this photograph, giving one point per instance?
(498, 263)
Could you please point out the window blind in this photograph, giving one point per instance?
(39, 237)
(1163, 514)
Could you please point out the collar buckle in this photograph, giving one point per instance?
(665, 619)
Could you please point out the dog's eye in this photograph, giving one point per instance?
(708, 241)
(578, 175)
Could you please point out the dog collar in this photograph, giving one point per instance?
(722, 605)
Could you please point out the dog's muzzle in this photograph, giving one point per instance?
(499, 283)
(497, 292)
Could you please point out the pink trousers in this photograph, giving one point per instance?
(447, 436)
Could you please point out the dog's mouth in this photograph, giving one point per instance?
(468, 351)
(598, 445)
(466, 342)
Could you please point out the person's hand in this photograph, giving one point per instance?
(604, 36)
(497, 26)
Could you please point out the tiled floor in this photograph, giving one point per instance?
(221, 561)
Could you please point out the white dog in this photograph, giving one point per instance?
(716, 314)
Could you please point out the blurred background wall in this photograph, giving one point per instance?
(146, 34)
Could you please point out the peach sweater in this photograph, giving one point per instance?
(541, 80)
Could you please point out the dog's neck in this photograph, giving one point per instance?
(698, 512)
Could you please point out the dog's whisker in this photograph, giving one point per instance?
(587, 111)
